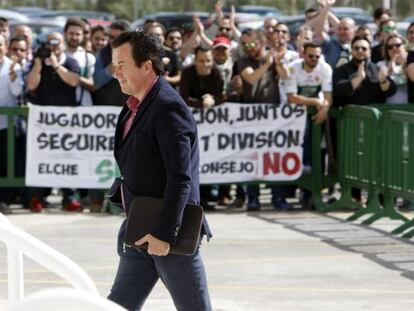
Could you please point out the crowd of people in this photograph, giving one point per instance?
(328, 62)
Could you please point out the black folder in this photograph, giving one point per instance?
(145, 213)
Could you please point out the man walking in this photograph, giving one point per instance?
(156, 147)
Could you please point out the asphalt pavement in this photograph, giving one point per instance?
(267, 260)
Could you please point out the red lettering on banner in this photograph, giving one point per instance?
(273, 162)
(286, 158)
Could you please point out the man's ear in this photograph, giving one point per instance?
(148, 65)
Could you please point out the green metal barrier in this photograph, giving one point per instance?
(11, 180)
(397, 163)
(357, 159)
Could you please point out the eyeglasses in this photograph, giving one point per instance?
(18, 50)
(225, 29)
(360, 48)
(388, 29)
(249, 45)
(396, 45)
(313, 56)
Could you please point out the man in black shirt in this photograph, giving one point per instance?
(360, 82)
(201, 86)
(53, 79)
(258, 71)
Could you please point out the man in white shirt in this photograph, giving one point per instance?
(11, 85)
(309, 83)
(74, 38)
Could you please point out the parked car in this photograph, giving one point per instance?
(41, 28)
(29, 10)
(72, 13)
(13, 16)
(172, 19)
(256, 9)
(409, 19)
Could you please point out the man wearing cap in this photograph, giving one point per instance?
(223, 61)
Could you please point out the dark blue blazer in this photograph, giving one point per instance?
(159, 157)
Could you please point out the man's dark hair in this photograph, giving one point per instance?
(4, 20)
(249, 31)
(74, 21)
(201, 49)
(97, 28)
(18, 39)
(358, 38)
(311, 45)
(311, 10)
(379, 11)
(409, 26)
(144, 47)
(173, 29)
(121, 25)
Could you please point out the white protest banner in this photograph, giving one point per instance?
(250, 142)
(71, 147)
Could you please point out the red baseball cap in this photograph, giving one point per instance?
(221, 41)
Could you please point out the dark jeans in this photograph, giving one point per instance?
(184, 277)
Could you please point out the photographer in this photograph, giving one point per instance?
(52, 79)
(54, 76)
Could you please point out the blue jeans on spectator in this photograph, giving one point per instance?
(184, 277)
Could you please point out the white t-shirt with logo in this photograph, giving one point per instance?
(309, 84)
(86, 63)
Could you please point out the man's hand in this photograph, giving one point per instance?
(361, 70)
(382, 74)
(156, 247)
(321, 115)
(208, 100)
(12, 73)
(53, 60)
(269, 58)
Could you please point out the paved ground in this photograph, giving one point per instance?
(265, 260)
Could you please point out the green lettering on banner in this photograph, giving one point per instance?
(107, 170)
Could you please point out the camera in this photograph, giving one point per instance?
(43, 52)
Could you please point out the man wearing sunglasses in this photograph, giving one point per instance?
(360, 82)
(310, 84)
(259, 74)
